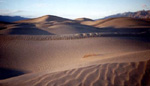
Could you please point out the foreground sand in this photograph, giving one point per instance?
(110, 74)
(102, 61)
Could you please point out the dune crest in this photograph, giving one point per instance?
(83, 19)
(45, 18)
(121, 22)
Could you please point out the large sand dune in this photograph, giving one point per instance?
(83, 19)
(54, 51)
(81, 62)
(52, 25)
(46, 25)
(69, 28)
(42, 19)
(113, 74)
(117, 73)
(23, 29)
(119, 23)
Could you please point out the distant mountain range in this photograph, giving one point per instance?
(139, 14)
(11, 18)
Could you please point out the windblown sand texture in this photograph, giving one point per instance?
(54, 51)
(112, 74)
(49, 57)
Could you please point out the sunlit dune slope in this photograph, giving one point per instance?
(46, 25)
(83, 19)
(45, 18)
(36, 55)
(119, 23)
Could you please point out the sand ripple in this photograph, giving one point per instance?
(110, 74)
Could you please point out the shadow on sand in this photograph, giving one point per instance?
(28, 31)
(8, 73)
(25, 29)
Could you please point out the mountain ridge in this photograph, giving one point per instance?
(11, 18)
(138, 14)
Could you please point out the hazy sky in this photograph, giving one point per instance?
(71, 8)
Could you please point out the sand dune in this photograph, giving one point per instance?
(96, 22)
(61, 54)
(83, 19)
(46, 25)
(42, 19)
(3, 25)
(52, 25)
(119, 23)
(23, 29)
(109, 74)
(71, 29)
(54, 51)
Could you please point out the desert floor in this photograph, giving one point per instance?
(93, 61)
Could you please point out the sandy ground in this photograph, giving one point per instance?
(106, 61)
(110, 74)
(122, 22)
(31, 56)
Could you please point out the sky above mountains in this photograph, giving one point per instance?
(71, 8)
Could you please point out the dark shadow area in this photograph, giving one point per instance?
(2, 22)
(3, 25)
(125, 32)
(112, 29)
(26, 29)
(140, 34)
(73, 28)
(85, 28)
(8, 73)
(146, 76)
(140, 38)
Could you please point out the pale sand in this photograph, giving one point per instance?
(43, 19)
(110, 74)
(119, 23)
(33, 56)
(104, 61)
(53, 25)
(46, 28)
(30, 59)
(83, 19)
